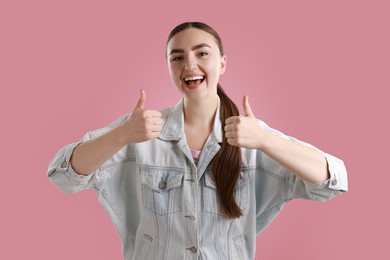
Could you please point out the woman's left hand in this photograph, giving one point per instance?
(244, 131)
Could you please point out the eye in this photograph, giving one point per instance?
(176, 58)
(203, 54)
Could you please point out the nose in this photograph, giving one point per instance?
(191, 63)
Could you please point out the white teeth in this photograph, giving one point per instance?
(194, 78)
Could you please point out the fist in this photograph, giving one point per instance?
(244, 131)
(142, 124)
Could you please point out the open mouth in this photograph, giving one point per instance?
(194, 80)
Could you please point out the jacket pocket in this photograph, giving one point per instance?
(210, 196)
(144, 248)
(239, 246)
(161, 190)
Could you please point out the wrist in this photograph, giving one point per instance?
(118, 136)
(264, 140)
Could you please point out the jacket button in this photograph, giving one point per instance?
(162, 185)
(64, 164)
(334, 182)
(192, 250)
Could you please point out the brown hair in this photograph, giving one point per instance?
(226, 165)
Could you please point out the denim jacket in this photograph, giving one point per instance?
(165, 207)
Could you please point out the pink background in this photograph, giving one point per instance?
(316, 70)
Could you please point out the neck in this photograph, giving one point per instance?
(200, 113)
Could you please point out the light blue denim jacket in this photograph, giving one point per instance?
(166, 207)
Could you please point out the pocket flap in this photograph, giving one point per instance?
(242, 180)
(161, 180)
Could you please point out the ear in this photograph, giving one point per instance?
(223, 65)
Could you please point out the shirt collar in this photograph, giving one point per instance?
(173, 129)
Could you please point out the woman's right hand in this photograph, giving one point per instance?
(142, 124)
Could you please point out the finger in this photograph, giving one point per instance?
(156, 128)
(158, 121)
(230, 135)
(141, 100)
(231, 120)
(231, 141)
(247, 108)
(152, 113)
(152, 121)
(151, 135)
(154, 134)
(230, 127)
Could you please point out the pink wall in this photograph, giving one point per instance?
(317, 70)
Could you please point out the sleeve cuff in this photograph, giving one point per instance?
(65, 166)
(338, 173)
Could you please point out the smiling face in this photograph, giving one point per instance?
(195, 63)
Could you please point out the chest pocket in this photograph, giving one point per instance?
(161, 190)
(210, 197)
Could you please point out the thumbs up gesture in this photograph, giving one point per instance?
(142, 124)
(244, 131)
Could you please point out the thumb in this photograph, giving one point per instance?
(247, 108)
(141, 101)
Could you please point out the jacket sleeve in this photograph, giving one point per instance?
(323, 191)
(60, 170)
(63, 176)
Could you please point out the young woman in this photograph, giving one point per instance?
(196, 181)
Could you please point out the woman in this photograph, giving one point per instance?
(196, 181)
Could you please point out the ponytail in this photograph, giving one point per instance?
(226, 165)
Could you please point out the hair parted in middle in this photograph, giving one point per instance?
(226, 165)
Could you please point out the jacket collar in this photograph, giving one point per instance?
(173, 129)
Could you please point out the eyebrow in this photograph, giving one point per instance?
(198, 46)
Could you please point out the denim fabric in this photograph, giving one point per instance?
(165, 207)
